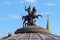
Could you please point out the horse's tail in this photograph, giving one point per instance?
(40, 15)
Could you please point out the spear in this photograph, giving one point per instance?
(24, 5)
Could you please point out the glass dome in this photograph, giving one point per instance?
(32, 33)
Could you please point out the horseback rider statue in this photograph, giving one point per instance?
(30, 17)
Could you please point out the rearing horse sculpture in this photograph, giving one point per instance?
(29, 19)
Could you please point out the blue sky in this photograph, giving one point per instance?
(11, 12)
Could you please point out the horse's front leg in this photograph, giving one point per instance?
(23, 23)
(22, 18)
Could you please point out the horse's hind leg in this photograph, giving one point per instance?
(25, 24)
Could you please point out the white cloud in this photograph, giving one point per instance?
(47, 13)
(21, 1)
(5, 3)
(31, 0)
(10, 17)
(50, 4)
(16, 17)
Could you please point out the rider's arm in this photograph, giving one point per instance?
(25, 8)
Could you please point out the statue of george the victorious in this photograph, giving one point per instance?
(29, 19)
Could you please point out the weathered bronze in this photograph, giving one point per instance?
(29, 19)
